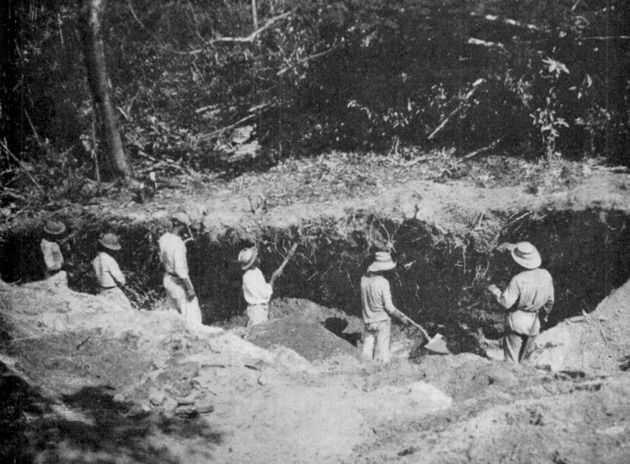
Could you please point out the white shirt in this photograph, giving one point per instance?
(107, 271)
(376, 298)
(52, 255)
(173, 255)
(255, 289)
(527, 293)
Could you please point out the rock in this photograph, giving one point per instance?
(139, 410)
(288, 358)
(169, 404)
(429, 397)
(186, 412)
(161, 214)
(188, 399)
(156, 397)
(610, 431)
(204, 406)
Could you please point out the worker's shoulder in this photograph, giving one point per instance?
(106, 258)
(171, 239)
(534, 274)
(374, 279)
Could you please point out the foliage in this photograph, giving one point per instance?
(538, 77)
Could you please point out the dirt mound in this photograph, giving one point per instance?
(596, 343)
(585, 427)
(140, 386)
(334, 319)
(310, 340)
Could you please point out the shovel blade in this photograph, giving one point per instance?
(437, 345)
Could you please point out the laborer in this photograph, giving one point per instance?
(256, 291)
(180, 292)
(528, 293)
(376, 298)
(108, 274)
(53, 259)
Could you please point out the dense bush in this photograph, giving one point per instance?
(538, 77)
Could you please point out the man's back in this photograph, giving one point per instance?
(376, 298)
(173, 254)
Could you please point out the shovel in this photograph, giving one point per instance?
(435, 344)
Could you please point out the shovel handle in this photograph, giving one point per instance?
(287, 258)
(415, 324)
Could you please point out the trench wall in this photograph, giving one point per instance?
(440, 280)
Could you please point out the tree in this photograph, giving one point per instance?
(91, 25)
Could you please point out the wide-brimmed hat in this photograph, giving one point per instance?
(382, 262)
(526, 254)
(110, 241)
(247, 257)
(181, 217)
(54, 227)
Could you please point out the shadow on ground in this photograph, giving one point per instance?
(88, 425)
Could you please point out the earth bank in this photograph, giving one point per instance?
(84, 381)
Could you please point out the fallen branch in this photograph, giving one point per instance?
(9, 192)
(458, 109)
(135, 17)
(511, 22)
(482, 149)
(5, 148)
(83, 342)
(205, 137)
(307, 59)
(485, 43)
(614, 37)
(42, 144)
(251, 37)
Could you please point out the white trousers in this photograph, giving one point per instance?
(519, 340)
(377, 340)
(257, 314)
(117, 297)
(177, 300)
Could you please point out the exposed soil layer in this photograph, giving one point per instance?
(84, 381)
(309, 340)
(98, 383)
(440, 280)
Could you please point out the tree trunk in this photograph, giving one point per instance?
(255, 15)
(91, 21)
(11, 101)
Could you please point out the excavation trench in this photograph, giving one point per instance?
(440, 280)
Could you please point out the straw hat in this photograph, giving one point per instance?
(526, 254)
(110, 241)
(247, 257)
(382, 262)
(181, 217)
(54, 227)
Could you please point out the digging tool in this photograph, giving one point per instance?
(278, 271)
(435, 344)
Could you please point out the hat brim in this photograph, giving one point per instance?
(532, 262)
(251, 261)
(110, 246)
(59, 231)
(381, 266)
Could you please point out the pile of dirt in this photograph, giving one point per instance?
(197, 394)
(312, 341)
(141, 386)
(596, 343)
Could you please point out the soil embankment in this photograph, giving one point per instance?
(87, 382)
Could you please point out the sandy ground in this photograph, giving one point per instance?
(99, 384)
(84, 381)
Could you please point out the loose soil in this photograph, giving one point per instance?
(84, 381)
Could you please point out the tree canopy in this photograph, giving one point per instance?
(522, 77)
